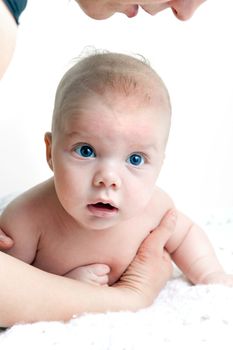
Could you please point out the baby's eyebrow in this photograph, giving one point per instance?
(72, 133)
(145, 147)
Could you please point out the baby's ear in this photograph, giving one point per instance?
(48, 143)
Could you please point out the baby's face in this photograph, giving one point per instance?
(101, 9)
(106, 158)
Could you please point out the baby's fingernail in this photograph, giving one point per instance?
(4, 238)
(107, 269)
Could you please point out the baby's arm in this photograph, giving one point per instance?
(193, 253)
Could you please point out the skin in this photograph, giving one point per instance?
(98, 9)
(108, 149)
(120, 124)
(54, 298)
(138, 286)
(8, 32)
(102, 9)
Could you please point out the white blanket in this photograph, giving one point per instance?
(183, 316)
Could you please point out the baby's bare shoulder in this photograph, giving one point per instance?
(161, 201)
(22, 221)
(25, 208)
(159, 204)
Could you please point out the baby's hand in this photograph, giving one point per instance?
(218, 278)
(94, 274)
(5, 241)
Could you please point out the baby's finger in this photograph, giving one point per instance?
(99, 269)
(5, 241)
(101, 280)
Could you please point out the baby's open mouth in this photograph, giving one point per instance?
(104, 206)
(100, 207)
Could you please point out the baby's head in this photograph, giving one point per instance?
(112, 76)
(110, 127)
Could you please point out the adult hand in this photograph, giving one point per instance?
(152, 267)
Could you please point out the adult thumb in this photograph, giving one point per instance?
(155, 242)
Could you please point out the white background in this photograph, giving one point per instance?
(194, 58)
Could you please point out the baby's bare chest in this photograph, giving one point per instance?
(60, 252)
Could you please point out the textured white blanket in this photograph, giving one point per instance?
(183, 316)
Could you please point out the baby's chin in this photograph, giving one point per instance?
(97, 225)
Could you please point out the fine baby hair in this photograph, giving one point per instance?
(101, 72)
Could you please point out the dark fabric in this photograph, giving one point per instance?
(16, 7)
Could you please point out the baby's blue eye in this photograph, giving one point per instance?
(135, 159)
(85, 151)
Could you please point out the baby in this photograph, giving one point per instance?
(110, 127)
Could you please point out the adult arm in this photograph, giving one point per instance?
(28, 294)
(8, 32)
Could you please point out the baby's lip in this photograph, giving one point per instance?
(104, 204)
(101, 208)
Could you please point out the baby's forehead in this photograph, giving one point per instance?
(110, 76)
(129, 97)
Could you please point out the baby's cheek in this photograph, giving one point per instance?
(141, 200)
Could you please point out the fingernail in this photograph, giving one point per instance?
(4, 238)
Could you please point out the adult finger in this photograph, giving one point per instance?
(157, 239)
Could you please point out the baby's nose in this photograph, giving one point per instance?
(107, 178)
